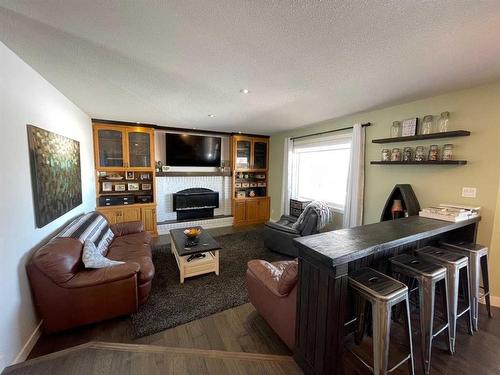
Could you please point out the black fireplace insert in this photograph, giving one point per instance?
(195, 203)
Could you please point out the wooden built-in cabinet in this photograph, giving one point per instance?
(251, 211)
(250, 160)
(126, 151)
(250, 153)
(137, 212)
(119, 147)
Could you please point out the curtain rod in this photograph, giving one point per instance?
(329, 131)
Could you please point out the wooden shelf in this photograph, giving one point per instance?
(126, 192)
(179, 174)
(421, 137)
(427, 162)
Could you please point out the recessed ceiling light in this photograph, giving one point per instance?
(244, 91)
(211, 115)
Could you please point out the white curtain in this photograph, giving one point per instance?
(287, 175)
(353, 212)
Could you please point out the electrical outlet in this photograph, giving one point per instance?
(469, 192)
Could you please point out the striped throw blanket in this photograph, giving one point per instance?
(90, 227)
(321, 209)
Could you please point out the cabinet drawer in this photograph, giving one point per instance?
(298, 204)
(295, 212)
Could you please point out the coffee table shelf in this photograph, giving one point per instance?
(197, 266)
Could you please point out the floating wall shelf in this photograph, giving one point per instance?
(427, 162)
(420, 137)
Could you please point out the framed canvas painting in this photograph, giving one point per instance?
(55, 174)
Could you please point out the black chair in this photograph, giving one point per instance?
(279, 235)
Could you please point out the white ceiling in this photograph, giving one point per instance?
(174, 62)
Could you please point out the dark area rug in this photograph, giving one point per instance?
(171, 303)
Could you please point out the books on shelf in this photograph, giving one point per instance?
(450, 212)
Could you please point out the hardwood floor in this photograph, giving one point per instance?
(239, 329)
(477, 354)
(97, 358)
(242, 330)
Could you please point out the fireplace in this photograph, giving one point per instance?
(195, 203)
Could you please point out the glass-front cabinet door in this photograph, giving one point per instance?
(243, 153)
(110, 147)
(259, 155)
(139, 149)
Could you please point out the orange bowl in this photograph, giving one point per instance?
(192, 232)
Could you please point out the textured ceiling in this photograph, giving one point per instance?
(175, 62)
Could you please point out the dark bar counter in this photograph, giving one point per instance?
(325, 259)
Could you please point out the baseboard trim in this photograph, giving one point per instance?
(29, 345)
(495, 301)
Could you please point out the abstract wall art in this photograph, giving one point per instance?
(55, 174)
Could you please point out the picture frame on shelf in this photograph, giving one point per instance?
(241, 194)
(120, 187)
(129, 175)
(144, 176)
(409, 127)
(133, 186)
(145, 186)
(107, 186)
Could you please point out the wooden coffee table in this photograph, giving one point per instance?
(206, 245)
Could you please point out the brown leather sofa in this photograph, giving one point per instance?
(68, 295)
(272, 289)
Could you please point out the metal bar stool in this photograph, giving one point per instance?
(454, 263)
(383, 292)
(428, 276)
(478, 267)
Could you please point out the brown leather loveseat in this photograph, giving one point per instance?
(67, 294)
(272, 289)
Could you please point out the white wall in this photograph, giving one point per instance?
(27, 98)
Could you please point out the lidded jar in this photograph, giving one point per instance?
(433, 153)
(386, 154)
(396, 154)
(443, 122)
(427, 125)
(408, 154)
(448, 151)
(396, 129)
(420, 153)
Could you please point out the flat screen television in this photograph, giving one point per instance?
(187, 150)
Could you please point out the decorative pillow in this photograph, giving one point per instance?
(92, 257)
(289, 277)
(92, 226)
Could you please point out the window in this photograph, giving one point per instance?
(320, 169)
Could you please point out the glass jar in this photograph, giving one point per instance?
(448, 152)
(396, 154)
(443, 122)
(427, 125)
(433, 153)
(420, 153)
(396, 129)
(386, 154)
(408, 154)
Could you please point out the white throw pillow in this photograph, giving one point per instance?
(92, 258)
